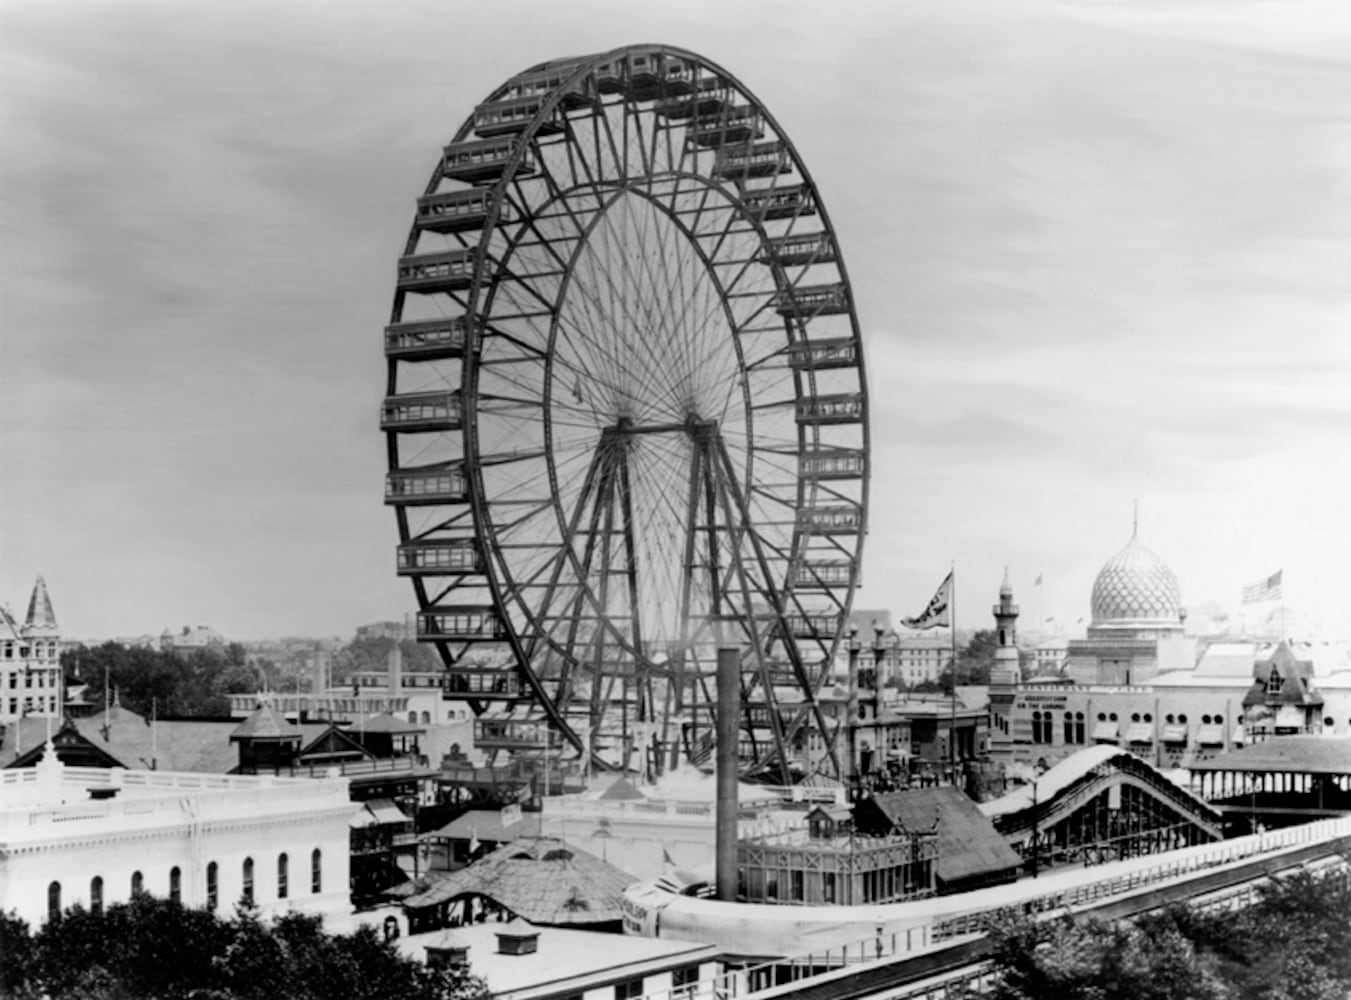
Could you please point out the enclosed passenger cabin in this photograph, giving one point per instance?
(513, 116)
(452, 271)
(441, 483)
(514, 734)
(833, 352)
(838, 519)
(439, 558)
(787, 202)
(812, 300)
(761, 159)
(707, 96)
(430, 340)
(831, 463)
(727, 127)
(645, 73)
(823, 575)
(421, 412)
(799, 249)
(761, 717)
(544, 81)
(481, 683)
(814, 624)
(483, 161)
(841, 408)
(464, 623)
(458, 211)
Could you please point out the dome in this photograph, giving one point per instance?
(1136, 587)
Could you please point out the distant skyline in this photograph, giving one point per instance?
(1100, 251)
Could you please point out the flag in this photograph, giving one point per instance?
(666, 859)
(1266, 589)
(937, 611)
(473, 840)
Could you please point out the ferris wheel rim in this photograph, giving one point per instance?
(484, 288)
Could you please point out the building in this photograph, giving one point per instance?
(30, 661)
(1137, 682)
(525, 962)
(95, 836)
(831, 860)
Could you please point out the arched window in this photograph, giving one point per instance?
(212, 885)
(1069, 727)
(137, 883)
(283, 876)
(96, 895)
(427, 717)
(53, 900)
(317, 871)
(412, 717)
(247, 894)
(176, 884)
(1079, 727)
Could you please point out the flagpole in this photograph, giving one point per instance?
(952, 700)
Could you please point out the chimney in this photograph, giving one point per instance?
(728, 708)
(395, 669)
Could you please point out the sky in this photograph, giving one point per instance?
(1100, 252)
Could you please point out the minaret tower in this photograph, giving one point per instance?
(1005, 674)
(1005, 670)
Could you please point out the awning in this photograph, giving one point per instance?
(1105, 731)
(1175, 734)
(1140, 732)
(385, 811)
(1211, 736)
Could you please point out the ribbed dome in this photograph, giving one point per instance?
(1136, 587)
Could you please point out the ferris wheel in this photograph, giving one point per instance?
(626, 417)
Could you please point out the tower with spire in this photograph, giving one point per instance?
(30, 660)
(1005, 670)
(1005, 673)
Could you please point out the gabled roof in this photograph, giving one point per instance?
(266, 723)
(968, 844)
(383, 722)
(487, 825)
(332, 742)
(540, 879)
(1286, 754)
(201, 746)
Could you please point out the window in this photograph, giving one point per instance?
(96, 895)
(317, 871)
(412, 717)
(247, 894)
(1079, 727)
(283, 875)
(137, 883)
(427, 717)
(629, 989)
(1274, 682)
(828, 887)
(53, 900)
(1069, 727)
(176, 884)
(684, 980)
(212, 885)
(796, 879)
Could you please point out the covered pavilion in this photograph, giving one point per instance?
(1279, 782)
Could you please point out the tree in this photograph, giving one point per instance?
(153, 947)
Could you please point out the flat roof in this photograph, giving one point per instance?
(565, 959)
(1290, 754)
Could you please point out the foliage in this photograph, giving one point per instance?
(153, 947)
(371, 655)
(1293, 943)
(163, 682)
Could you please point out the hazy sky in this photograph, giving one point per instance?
(1100, 250)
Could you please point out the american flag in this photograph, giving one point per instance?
(1266, 589)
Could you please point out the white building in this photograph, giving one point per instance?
(30, 660)
(94, 836)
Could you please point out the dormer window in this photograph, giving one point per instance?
(1274, 682)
